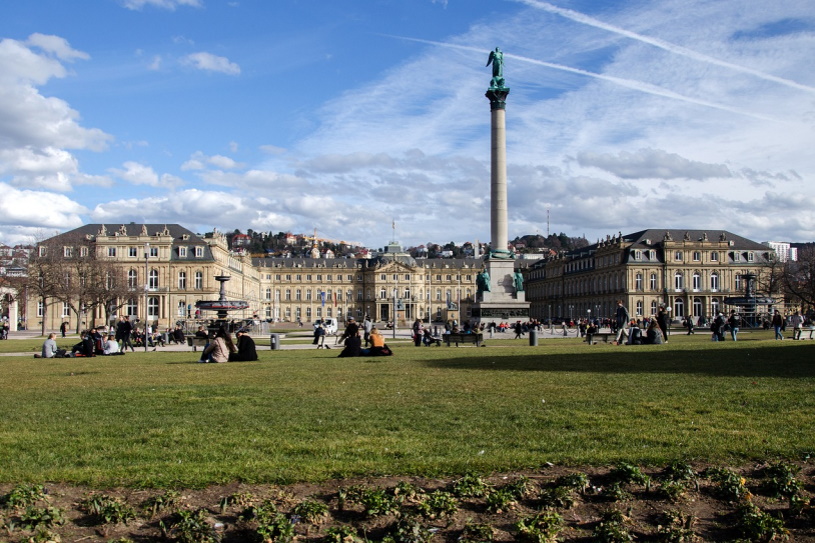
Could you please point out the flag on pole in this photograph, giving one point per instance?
(322, 298)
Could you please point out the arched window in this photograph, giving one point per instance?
(152, 282)
(199, 280)
(132, 279)
(697, 307)
(697, 281)
(714, 281)
(298, 295)
(152, 307)
(679, 281)
(182, 280)
(653, 281)
(383, 293)
(268, 294)
(639, 308)
(714, 307)
(653, 307)
(679, 308)
(638, 284)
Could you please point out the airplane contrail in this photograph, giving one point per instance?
(628, 83)
(667, 46)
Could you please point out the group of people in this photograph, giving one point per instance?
(222, 349)
(352, 340)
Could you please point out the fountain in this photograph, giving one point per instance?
(221, 305)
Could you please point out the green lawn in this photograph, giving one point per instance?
(304, 415)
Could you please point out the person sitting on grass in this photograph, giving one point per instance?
(378, 347)
(50, 349)
(353, 346)
(84, 347)
(219, 350)
(653, 335)
(246, 348)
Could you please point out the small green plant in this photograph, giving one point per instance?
(521, 487)
(408, 492)
(574, 481)
(470, 486)
(679, 471)
(629, 474)
(277, 529)
(107, 509)
(409, 530)
(242, 499)
(35, 517)
(501, 500)
(678, 528)
(259, 513)
(162, 502)
(375, 501)
(672, 490)
(616, 492)
(192, 527)
(541, 528)
(612, 528)
(729, 484)
(311, 511)
(757, 525)
(438, 504)
(342, 534)
(43, 535)
(558, 496)
(782, 481)
(22, 496)
(477, 533)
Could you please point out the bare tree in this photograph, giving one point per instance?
(41, 277)
(799, 277)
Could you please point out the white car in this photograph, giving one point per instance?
(329, 324)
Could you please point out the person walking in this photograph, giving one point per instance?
(778, 322)
(662, 322)
(367, 326)
(797, 321)
(734, 321)
(621, 318)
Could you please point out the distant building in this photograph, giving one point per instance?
(784, 251)
(690, 272)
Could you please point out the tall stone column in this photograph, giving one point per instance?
(498, 176)
(500, 292)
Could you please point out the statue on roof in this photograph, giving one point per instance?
(687, 236)
(144, 230)
(103, 231)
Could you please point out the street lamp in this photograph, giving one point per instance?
(146, 287)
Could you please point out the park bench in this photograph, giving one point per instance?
(196, 342)
(463, 338)
(603, 337)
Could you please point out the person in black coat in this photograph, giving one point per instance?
(353, 346)
(246, 348)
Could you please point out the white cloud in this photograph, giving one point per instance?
(652, 164)
(139, 174)
(200, 161)
(212, 63)
(56, 45)
(38, 209)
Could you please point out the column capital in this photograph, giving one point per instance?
(497, 97)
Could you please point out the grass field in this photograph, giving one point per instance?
(159, 419)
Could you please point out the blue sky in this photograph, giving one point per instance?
(345, 116)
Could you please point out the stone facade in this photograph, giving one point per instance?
(691, 272)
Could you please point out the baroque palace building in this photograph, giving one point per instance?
(690, 272)
(180, 269)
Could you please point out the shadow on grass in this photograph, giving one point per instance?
(766, 359)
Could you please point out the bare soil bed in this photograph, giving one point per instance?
(617, 503)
